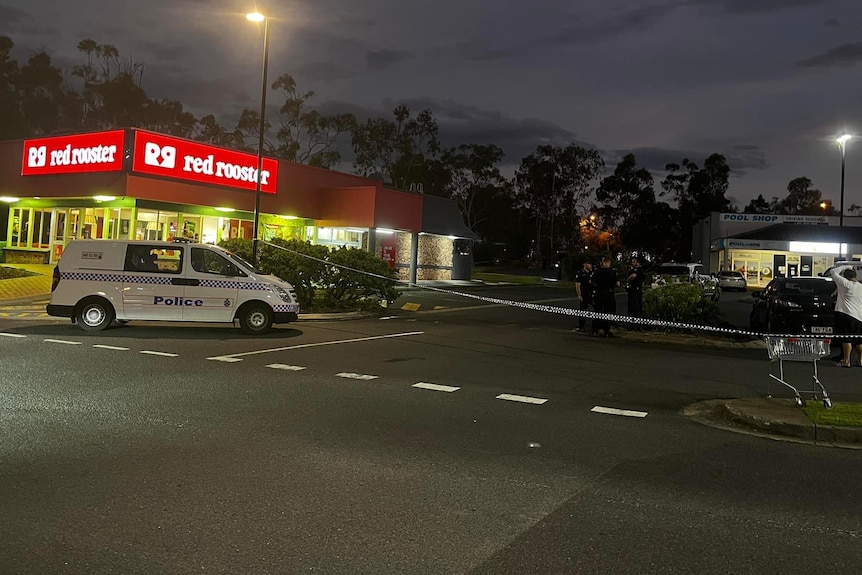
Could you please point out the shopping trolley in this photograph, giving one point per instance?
(783, 349)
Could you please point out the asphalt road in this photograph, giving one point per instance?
(155, 448)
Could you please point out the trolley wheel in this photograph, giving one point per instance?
(827, 403)
(800, 402)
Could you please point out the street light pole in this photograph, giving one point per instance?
(258, 17)
(842, 143)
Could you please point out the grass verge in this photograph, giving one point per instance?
(847, 414)
(7, 273)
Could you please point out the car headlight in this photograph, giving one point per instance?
(787, 304)
(282, 293)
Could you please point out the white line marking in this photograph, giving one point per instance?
(435, 387)
(62, 341)
(286, 367)
(12, 335)
(356, 376)
(623, 412)
(232, 357)
(112, 347)
(522, 398)
(161, 353)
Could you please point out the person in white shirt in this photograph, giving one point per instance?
(848, 312)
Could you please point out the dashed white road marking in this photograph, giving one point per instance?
(160, 353)
(231, 358)
(522, 398)
(114, 347)
(436, 387)
(614, 411)
(286, 367)
(62, 341)
(355, 376)
(12, 335)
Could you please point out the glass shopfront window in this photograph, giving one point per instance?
(337, 237)
(30, 228)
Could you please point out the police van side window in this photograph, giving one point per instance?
(151, 259)
(208, 262)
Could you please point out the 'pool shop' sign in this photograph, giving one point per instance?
(774, 219)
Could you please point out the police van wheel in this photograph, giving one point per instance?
(94, 314)
(256, 319)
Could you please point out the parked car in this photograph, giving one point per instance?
(732, 280)
(857, 265)
(796, 305)
(673, 272)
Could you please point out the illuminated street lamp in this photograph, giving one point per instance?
(258, 17)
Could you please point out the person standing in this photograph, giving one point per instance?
(584, 287)
(635, 290)
(848, 312)
(605, 283)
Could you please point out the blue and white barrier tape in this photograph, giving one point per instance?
(594, 315)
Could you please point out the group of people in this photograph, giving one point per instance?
(597, 289)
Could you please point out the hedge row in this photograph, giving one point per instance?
(315, 273)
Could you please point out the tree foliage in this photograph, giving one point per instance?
(396, 149)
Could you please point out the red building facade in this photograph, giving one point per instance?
(135, 184)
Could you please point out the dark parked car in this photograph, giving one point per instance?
(795, 305)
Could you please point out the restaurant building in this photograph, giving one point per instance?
(136, 184)
(765, 246)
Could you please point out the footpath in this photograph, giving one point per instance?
(25, 298)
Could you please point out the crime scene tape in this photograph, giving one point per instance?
(594, 315)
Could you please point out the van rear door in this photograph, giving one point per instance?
(153, 285)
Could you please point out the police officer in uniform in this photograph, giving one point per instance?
(635, 290)
(605, 282)
(584, 287)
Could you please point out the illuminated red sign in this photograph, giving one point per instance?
(184, 160)
(77, 154)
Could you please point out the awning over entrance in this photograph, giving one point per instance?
(804, 233)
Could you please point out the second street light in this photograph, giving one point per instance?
(258, 17)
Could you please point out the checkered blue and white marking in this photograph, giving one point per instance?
(227, 284)
(97, 277)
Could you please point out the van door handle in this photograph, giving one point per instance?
(184, 282)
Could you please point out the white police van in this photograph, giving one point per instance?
(97, 282)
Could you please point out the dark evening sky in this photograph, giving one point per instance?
(768, 83)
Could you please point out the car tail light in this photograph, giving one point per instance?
(55, 279)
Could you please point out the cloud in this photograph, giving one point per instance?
(636, 19)
(831, 22)
(755, 6)
(741, 158)
(843, 55)
(165, 50)
(322, 72)
(465, 124)
(382, 59)
(14, 16)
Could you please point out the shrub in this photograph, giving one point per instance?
(345, 288)
(342, 289)
(680, 303)
(304, 273)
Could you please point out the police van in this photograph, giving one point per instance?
(98, 282)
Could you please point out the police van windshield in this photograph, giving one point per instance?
(242, 262)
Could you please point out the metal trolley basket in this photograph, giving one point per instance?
(783, 349)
